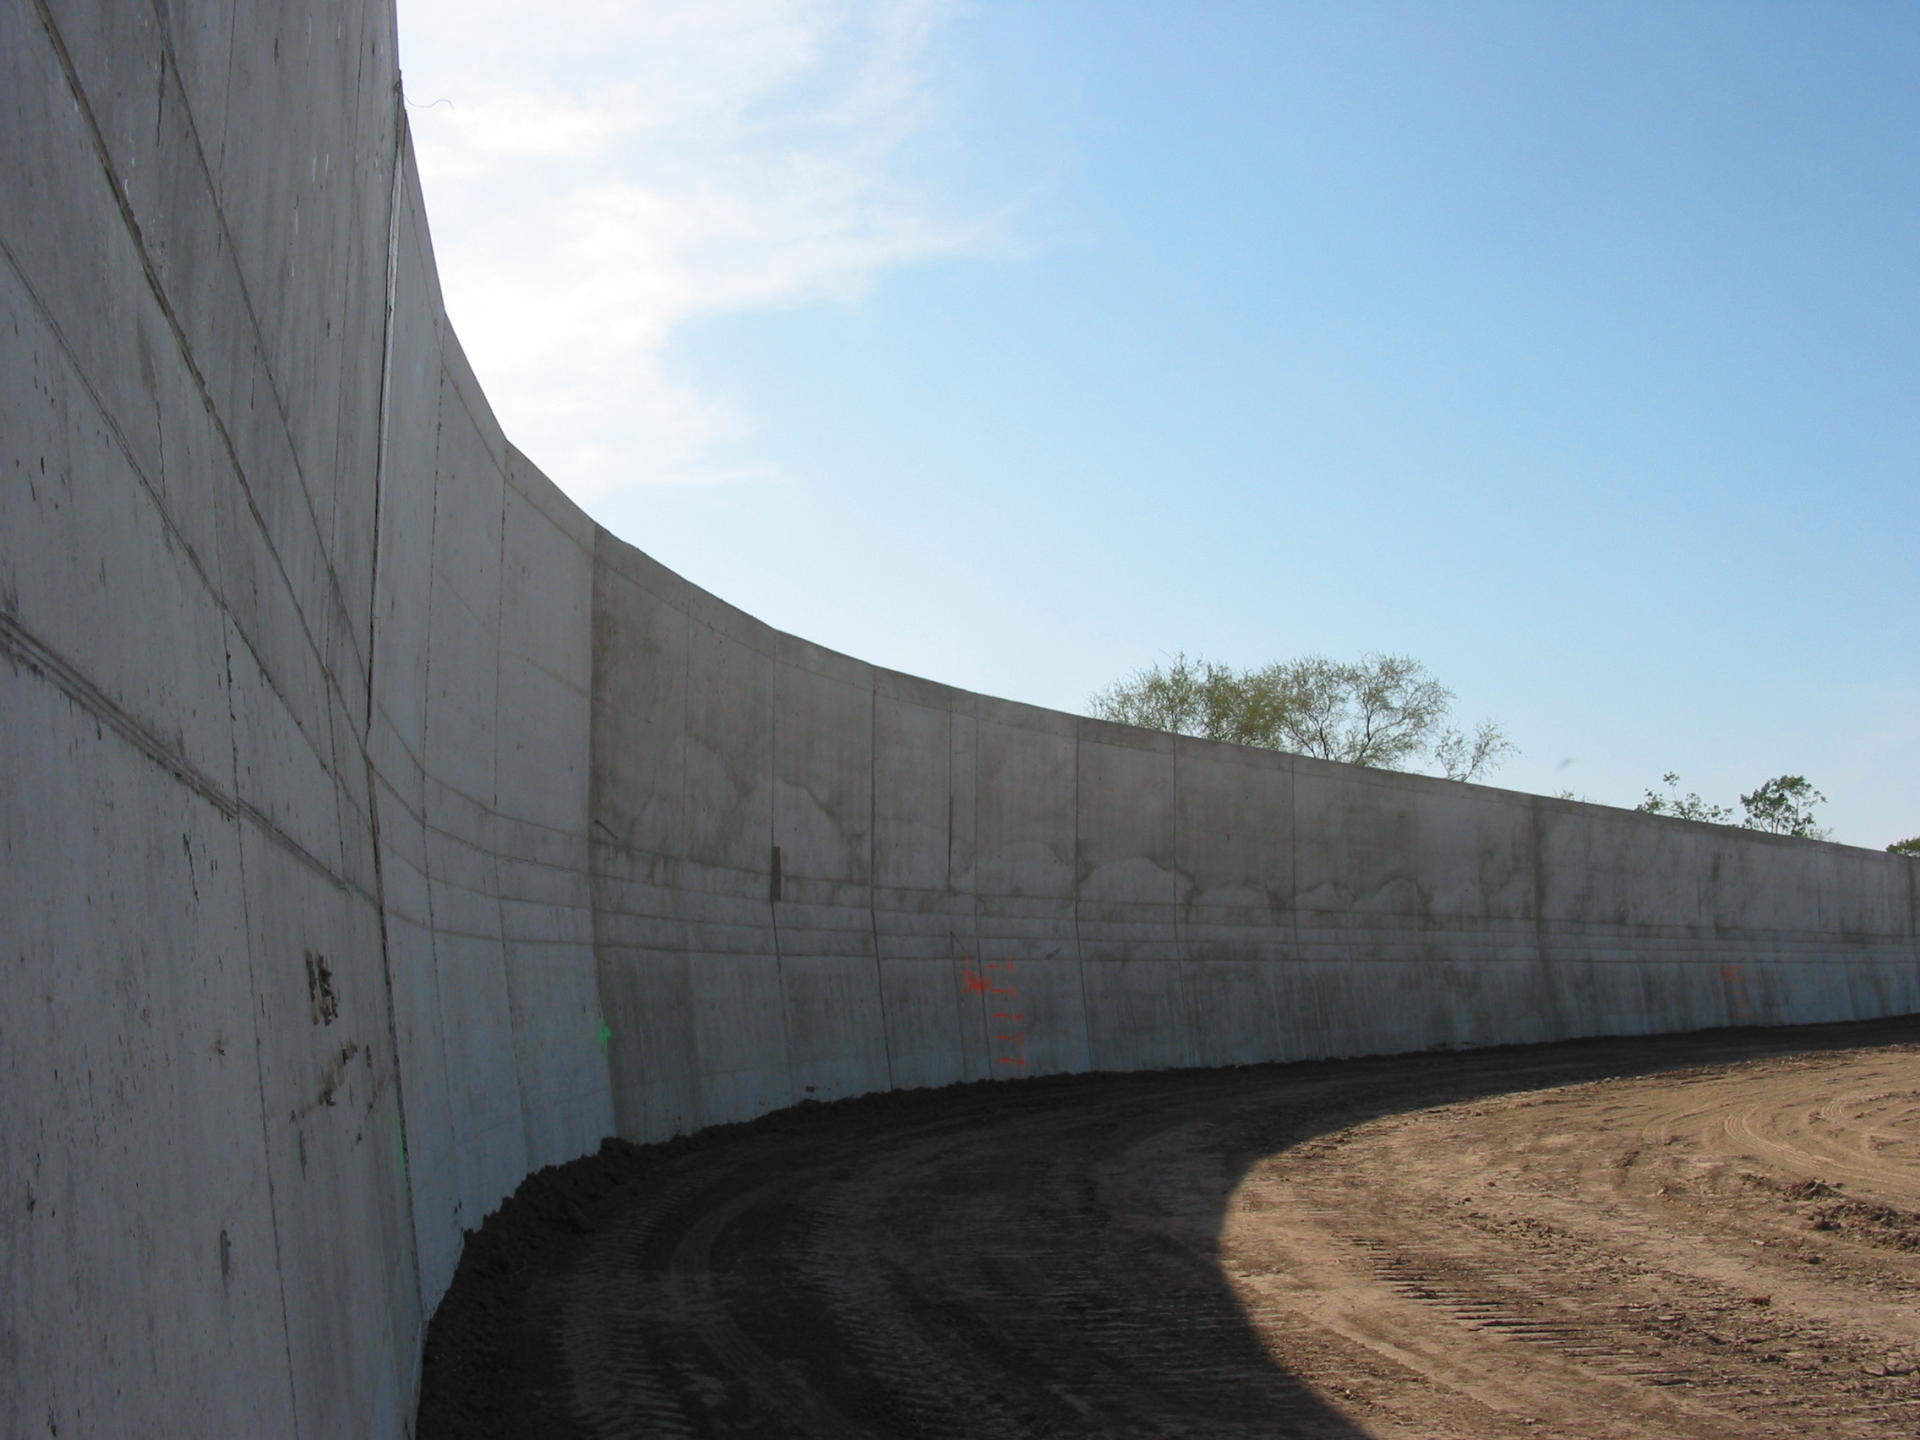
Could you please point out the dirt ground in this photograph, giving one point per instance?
(1703, 1237)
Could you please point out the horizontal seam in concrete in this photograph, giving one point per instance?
(33, 655)
(151, 273)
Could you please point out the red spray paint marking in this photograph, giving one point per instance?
(1015, 1040)
(972, 982)
(1739, 1006)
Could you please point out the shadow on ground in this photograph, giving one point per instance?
(986, 1260)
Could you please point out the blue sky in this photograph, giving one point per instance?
(1573, 349)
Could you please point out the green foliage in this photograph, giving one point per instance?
(1682, 807)
(1909, 846)
(1784, 806)
(1780, 806)
(1461, 756)
(1187, 697)
(1383, 710)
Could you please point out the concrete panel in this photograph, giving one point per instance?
(640, 668)
(822, 775)
(430, 1146)
(1032, 1018)
(923, 924)
(963, 802)
(1233, 833)
(1380, 1007)
(545, 662)
(66, 241)
(1138, 1017)
(408, 466)
(142, 620)
(333, 1141)
(464, 616)
(1238, 1015)
(1126, 889)
(553, 995)
(278, 771)
(836, 1040)
(1024, 807)
(913, 794)
(729, 752)
(477, 1030)
(739, 1026)
(140, 1238)
(542, 763)
(1124, 807)
(1299, 1009)
(1408, 845)
(1611, 867)
(654, 1057)
(925, 1012)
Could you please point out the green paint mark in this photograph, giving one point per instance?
(606, 1034)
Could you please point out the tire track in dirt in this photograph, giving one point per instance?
(1536, 1241)
(912, 1293)
(1655, 1231)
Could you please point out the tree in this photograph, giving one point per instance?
(1682, 807)
(1780, 806)
(1784, 806)
(1188, 697)
(1383, 710)
(1461, 757)
(1910, 846)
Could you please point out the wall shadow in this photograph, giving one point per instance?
(986, 1260)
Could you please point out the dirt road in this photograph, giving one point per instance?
(1709, 1237)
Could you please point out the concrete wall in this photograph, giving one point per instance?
(377, 830)
(1152, 901)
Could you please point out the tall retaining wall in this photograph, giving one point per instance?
(377, 830)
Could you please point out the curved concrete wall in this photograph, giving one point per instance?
(377, 830)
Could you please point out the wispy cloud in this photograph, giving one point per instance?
(599, 181)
